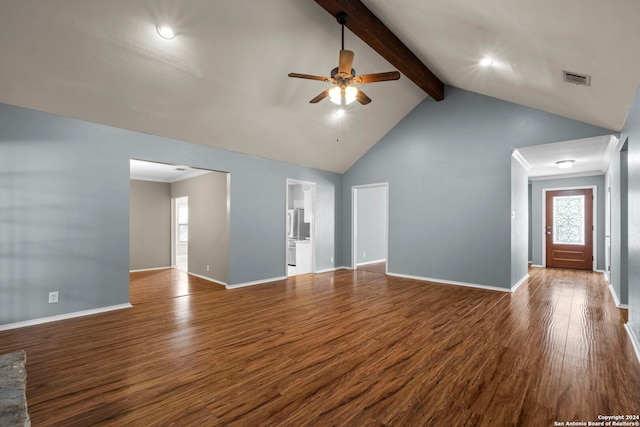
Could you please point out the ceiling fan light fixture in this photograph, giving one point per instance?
(335, 95)
(565, 164)
(350, 94)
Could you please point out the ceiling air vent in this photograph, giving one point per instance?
(575, 78)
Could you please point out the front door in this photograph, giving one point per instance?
(569, 229)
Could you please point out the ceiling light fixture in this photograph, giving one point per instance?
(565, 164)
(348, 93)
(166, 32)
(486, 62)
(340, 112)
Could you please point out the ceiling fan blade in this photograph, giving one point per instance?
(346, 61)
(362, 98)
(309, 77)
(378, 77)
(320, 97)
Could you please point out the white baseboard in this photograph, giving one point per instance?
(256, 282)
(450, 282)
(207, 279)
(328, 270)
(65, 316)
(520, 282)
(634, 340)
(537, 266)
(616, 299)
(370, 262)
(149, 269)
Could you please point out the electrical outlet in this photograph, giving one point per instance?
(53, 297)
(364, 254)
(331, 259)
(207, 267)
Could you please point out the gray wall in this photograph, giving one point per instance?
(149, 225)
(537, 219)
(64, 211)
(615, 224)
(448, 165)
(631, 130)
(372, 224)
(624, 227)
(519, 222)
(208, 223)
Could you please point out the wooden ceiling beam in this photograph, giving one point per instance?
(364, 24)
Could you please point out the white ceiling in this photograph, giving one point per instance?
(223, 80)
(591, 157)
(160, 172)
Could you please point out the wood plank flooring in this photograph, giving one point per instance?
(350, 348)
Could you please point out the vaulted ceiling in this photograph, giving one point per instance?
(222, 81)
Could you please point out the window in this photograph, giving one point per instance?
(183, 223)
(568, 220)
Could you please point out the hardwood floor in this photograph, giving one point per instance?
(344, 348)
(378, 267)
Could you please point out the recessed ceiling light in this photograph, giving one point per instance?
(565, 164)
(166, 32)
(486, 62)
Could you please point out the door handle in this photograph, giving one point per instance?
(548, 232)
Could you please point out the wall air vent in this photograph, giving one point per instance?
(575, 78)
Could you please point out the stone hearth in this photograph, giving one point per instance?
(13, 385)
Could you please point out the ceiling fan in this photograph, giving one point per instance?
(343, 78)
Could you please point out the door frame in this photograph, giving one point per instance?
(594, 238)
(354, 223)
(312, 230)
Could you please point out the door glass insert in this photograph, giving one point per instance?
(568, 220)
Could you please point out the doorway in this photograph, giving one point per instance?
(300, 249)
(180, 233)
(370, 225)
(179, 218)
(569, 228)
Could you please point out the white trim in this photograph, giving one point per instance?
(608, 154)
(517, 155)
(354, 222)
(207, 278)
(65, 316)
(256, 282)
(312, 230)
(566, 175)
(149, 269)
(520, 282)
(634, 340)
(594, 219)
(616, 299)
(329, 270)
(449, 282)
(537, 266)
(371, 262)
